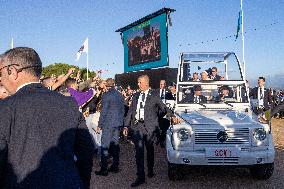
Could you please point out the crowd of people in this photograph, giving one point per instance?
(51, 127)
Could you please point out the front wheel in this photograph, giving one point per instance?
(262, 172)
(175, 172)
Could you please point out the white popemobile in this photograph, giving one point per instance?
(222, 130)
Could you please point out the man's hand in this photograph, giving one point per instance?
(70, 71)
(176, 120)
(98, 92)
(125, 131)
(98, 130)
(96, 78)
(87, 112)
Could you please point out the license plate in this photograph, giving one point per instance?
(221, 152)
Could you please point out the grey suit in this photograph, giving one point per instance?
(111, 119)
(40, 132)
(145, 131)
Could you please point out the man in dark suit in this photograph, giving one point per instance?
(143, 118)
(214, 74)
(41, 131)
(262, 95)
(110, 122)
(163, 92)
(195, 97)
(164, 123)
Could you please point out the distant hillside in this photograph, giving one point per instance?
(277, 81)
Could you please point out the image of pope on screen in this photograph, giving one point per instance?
(144, 45)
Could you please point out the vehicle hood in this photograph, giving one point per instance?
(222, 117)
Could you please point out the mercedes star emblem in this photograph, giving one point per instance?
(222, 136)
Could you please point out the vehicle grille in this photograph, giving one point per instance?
(223, 161)
(209, 136)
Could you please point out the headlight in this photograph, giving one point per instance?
(183, 134)
(259, 134)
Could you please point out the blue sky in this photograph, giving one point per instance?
(57, 28)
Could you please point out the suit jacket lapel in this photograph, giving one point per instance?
(149, 97)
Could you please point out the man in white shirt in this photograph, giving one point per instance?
(142, 117)
(262, 95)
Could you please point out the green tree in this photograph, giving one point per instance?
(62, 68)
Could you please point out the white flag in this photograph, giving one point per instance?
(83, 48)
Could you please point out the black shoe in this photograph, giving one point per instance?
(138, 182)
(113, 169)
(101, 173)
(150, 174)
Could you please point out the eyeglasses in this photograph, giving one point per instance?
(213, 71)
(18, 70)
(6, 67)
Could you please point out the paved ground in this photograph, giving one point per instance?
(196, 178)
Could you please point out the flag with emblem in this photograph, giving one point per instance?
(83, 48)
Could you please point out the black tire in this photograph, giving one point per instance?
(175, 172)
(262, 172)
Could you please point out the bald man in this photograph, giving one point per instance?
(142, 117)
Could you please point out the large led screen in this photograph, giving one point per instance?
(145, 45)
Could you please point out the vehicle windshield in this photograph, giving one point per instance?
(209, 67)
(211, 93)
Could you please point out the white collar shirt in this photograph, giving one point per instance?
(25, 84)
(260, 96)
(196, 99)
(141, 101)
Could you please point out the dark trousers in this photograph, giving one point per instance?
(142, 139)
(110, 145)
(164, 124)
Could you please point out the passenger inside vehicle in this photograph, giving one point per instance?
(195, 97)
(224, 93)
(195, 77)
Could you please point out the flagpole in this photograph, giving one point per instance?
(88, 60)
(243, 38)
(87, 65)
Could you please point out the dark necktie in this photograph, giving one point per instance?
(163, 95)
(143, 99)
(261, 93)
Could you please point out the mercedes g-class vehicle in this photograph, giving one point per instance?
(218, 126)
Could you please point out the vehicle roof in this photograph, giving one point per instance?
(205, 57)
